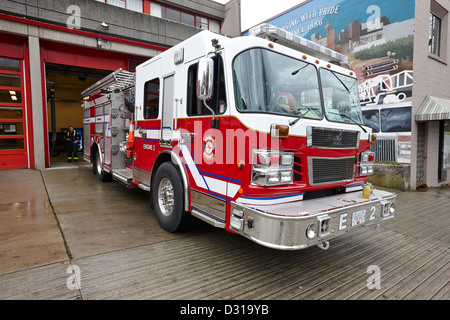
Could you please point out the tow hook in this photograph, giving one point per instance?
(324, 245)
(375, 227)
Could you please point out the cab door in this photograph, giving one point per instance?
(204, 150)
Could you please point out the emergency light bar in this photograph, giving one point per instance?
(293, 41)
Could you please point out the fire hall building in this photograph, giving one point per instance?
(50, 51)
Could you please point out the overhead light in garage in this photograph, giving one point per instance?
(13, 95)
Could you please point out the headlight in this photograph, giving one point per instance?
(270, 177)
(366, 164)
(272, 168)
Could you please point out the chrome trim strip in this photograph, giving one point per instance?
(310, 144)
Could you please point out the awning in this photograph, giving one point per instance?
(434, 108)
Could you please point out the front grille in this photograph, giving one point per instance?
(332, 138)
(330, 170)
(385, 150)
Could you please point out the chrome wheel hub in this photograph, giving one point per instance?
(166, 196)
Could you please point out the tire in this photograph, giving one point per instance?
(168, 199)
(97, 169)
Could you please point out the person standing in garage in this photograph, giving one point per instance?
(73, 137)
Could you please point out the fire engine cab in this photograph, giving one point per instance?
(261, 135)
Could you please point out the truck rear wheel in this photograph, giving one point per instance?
(168, 200)
(97, 169)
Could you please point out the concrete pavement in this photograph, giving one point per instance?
(65, 235)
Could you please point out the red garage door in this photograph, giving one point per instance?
(13, 142)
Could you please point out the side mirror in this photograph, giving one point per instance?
(205, 79)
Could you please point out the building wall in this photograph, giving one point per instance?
(70, 32)
(431, 78)
(121, 22)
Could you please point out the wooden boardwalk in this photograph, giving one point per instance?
(411, 252)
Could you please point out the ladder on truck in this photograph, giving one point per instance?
(288, 39)
(116, 81)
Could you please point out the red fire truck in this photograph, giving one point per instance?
(261, 135)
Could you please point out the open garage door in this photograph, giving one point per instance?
(64, 86)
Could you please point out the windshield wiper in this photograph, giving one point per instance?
(349, 118)
(291, 123)
(342, 82)
(301, 115)
(298, 70)
(345, 116)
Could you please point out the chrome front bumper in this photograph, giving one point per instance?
(284, 226)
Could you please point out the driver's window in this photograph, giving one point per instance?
(218, 101)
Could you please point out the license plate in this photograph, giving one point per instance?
(358, 217)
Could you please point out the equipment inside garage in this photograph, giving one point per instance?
(64, 86)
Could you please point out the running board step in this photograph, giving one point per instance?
(208, 218)
(123, 175)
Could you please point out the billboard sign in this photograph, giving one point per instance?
(376, 35)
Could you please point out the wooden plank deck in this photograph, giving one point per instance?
(123, 254)
(411, 251)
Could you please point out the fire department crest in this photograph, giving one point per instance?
(209, 148)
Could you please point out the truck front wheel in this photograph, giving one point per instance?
(167, 193)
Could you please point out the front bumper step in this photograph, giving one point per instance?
(299, 224)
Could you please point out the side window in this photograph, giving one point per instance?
(396, 119)
(151, 99)
(218, 102)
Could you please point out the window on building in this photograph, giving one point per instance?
(445, 144)
(156, 10)
(202, 23)
(135, 5)
(434, 43)
(151, 99)
(173, 14)
(214, 26)
(170, 13)
(117, 3)
(188, 19)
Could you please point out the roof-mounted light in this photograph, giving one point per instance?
(296, 42)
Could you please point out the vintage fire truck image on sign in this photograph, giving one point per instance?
(259, 135)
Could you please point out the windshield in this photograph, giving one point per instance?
(341, 97)
(270, 82)
(371, 119)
